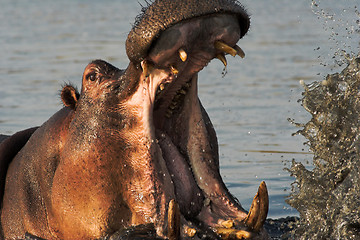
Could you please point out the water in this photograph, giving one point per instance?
(327, 197)
(45, 44)
(327, 194)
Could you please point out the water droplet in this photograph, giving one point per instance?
(343, 86)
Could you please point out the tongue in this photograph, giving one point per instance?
(188, 194)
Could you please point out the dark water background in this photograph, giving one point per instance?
(47, 43)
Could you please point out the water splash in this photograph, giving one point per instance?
(327, 197)
(343, 25)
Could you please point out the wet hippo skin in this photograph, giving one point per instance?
(3, 137)
(134, 155)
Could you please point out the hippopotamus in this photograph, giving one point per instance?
(134, 148)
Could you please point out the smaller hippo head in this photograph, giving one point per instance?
(149, 115)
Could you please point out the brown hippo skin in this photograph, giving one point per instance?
(134, 151)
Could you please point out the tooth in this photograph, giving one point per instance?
(146, 68)
(173, 220)
(225, 48)
(226, 233)
(162, 86)
(222, 58)
(168, 113)
(241, 234)
(182, 91)
(174, 70)
(227, 223)
(259, 209)
(182, 54)
(172, 106)
(190, 231)
(239, 51)
(264, 206)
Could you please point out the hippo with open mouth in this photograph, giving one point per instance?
(135, 149)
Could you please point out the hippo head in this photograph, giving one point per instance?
(162, 122)
(135, 146)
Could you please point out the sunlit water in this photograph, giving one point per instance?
(45, 44)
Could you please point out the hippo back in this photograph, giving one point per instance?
(3, 137)
(9, 147)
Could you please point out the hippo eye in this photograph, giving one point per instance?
(91, 76)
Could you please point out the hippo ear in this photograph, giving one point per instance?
(69, 96)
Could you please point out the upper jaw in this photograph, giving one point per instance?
(159, 16)
(182, 51)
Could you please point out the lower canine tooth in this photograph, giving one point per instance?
(162, 86)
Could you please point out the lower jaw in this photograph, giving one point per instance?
(188, 194)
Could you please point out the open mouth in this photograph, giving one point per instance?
(182, 128)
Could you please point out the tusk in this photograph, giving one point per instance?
(173, 221)
(182, 54)
(174, 70)
(225, 48)
(162, 86)
(239, 51)
(259, 209)
(264, 206)
(222, 58)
